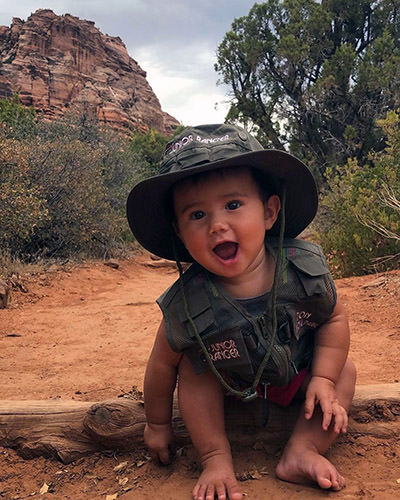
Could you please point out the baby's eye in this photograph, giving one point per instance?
(233, 205)
(198, 214)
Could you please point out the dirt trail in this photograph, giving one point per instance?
(86, 333)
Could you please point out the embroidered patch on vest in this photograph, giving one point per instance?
(227, 351)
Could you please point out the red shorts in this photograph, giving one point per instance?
(283, 395)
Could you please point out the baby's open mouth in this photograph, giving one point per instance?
(226, 250)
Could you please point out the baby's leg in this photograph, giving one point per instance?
(201, 403)
(302, 458)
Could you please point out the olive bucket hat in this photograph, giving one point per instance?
(209, 147)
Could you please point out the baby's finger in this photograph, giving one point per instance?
(309, 406)
(326, 415)
(341, 419)
(164, 457)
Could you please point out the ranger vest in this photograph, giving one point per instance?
(236, 341)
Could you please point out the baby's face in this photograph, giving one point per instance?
(221, 219)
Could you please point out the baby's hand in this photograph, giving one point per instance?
(159, 438)
(322, 390)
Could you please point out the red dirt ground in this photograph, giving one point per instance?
(85, 333)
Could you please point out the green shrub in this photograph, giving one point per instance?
(69, 176)
(23, 208)
(353, 208)
(63, 188)
(17, 121)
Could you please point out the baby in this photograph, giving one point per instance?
(255, 313)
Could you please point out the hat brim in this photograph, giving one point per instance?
(148, 217)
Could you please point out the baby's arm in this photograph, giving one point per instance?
(331, 348)
(159, 385)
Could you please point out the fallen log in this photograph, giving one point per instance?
(68, 430)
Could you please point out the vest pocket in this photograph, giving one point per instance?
(310, 273)
(201, 313)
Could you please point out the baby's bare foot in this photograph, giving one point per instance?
(302, 464)
(217, 479)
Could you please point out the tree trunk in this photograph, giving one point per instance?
(68, 430)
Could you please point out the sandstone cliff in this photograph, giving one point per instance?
(58, 62)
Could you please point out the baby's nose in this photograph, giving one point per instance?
(217, 225)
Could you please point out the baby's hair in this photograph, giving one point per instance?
(265, 185)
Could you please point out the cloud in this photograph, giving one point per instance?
(186, 81)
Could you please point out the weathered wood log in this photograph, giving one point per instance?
(68, 430)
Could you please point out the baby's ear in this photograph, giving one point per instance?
(271, 210)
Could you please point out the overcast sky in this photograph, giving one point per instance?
(174, 41)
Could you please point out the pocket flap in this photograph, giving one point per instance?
(312, 266)
(200, 311)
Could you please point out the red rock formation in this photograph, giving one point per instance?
(59, 62)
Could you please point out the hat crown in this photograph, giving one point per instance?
(205, 144)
